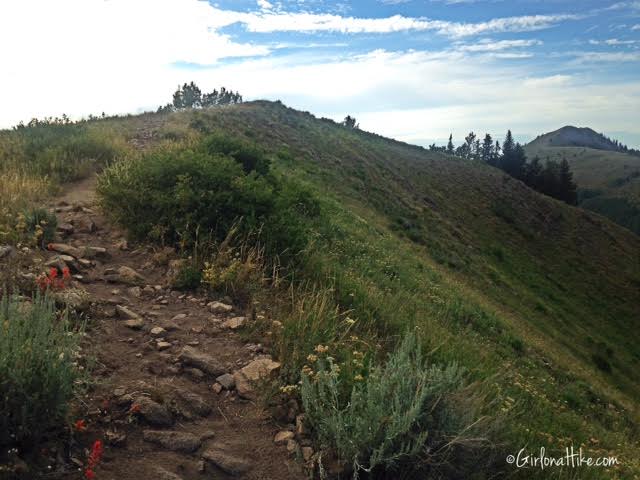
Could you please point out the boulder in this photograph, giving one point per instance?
(126, 314)
(219, 307)
(153, 412)
(226, 381)
(65, 249)
(283, 437)
(234, 323)
(226, 462)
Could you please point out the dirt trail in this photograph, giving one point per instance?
(157, 360)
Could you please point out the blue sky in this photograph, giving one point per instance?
(413, 70)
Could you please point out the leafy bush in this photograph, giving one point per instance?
(171, 195)
(401, 414)
(37, 371)
(39, 226)
(189, 277)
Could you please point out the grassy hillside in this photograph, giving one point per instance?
(608, 181)
(496, 276)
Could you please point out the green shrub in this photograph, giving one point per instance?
(37, 371)
(171, 195)
(39, 226)
(398, 416)
(189, 277)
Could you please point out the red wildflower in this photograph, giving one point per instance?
(135, 408)
(80, 425)
(89, 474)
(53, 272)
(94, 459)
(50, 246)
(66, 273)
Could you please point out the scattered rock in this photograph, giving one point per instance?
(153, 412)
(283, 437)
(122, 245)
(195, 373)
(234, 323)
(66, 249)
(86, 225)
(135, 292)
(219, 307)
(226, 462)
(124, 274)
(157, 331)
(243, 385)
(134, 323)
(115, 438)
(163, 346)
(175, 441)
(190, 405)
(178, 317)
(95, 252)
(217, 388)
(125, 313)
(226, 381)
(307, 453)
(6, 250)
(260, 369)
(206, 363)
(73, 298)
(292, 446)
(300, 425)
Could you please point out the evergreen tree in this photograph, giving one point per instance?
(350, 122)
(533, 174)
(487, 149)
(568, 188)
(470, 141)
(450, 147)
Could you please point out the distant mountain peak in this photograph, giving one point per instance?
(570, 136)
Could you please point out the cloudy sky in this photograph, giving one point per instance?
(410, 69)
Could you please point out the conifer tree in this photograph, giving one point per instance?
(450, 148)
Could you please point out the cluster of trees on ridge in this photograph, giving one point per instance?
(189, 95)
(553, 178)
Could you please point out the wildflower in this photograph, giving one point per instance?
(53, 272)
(354, 338)
(307, 370)
(80, 425)
(358, 378)
(288, 389)
(50, 246)
(89, 474)
(94, 459)
(321, 348)
(350, 321)
(312, 358)
(135, 408)
(66, 273)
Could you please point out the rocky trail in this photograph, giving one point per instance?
(176, 388)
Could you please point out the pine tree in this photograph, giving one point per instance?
(487, 149)
(568, 188)
(450, 147)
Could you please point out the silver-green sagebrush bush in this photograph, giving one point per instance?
(37, 369)
(401, 416)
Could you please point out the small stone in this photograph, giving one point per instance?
(65, 228)
(135, 292)
(126, 314)
(118, 392)
(197, 329)
(243, 385)
(157, 331)
(234, 323)
(201, 466)
(217, 388)
(292, 446)
(195, 373)
(226, 381)
(162, 474)
(260, 369)
(219, 307)
(5, 251)
(148, 290)
(95, 252)
(307, 453)
(193, 343)
(190, 405)
(174, 441)
(138, 355)
(134, 323)
(115, 438)
(178, 317)
(122, 245)
(65, 249)
(163, 345)
(126, 275)
(283, 437)
(86, 225)
(300, 425)
(153, 412)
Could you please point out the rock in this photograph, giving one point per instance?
(169, 326)
(65, 249)
(234, 323)
(73, 298)
(307, 453)
(135, 292)
(178, 317)
(163, 346)
(219, 307)
(226, 462)
(243, 385)
(300, 425)
(134, 323)
(260, 369)
(292, 446)
(283, 437)
(157, 331)
(217, 388)
(206, 363)
(86, 225)
(226, 381)
(190, 405)
(195, 373)
(174, 441)
(153, 412)
(126, 275)
(162, 474)
(125, 313)
(115, 438)
(5, 251)
(65, 229)
(95, 252)
(148, 290)
(173, 271)
(122, 245)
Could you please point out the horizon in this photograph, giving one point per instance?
(414, 71)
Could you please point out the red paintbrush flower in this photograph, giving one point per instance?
(80, 425)
(66, 273)
(53, 272)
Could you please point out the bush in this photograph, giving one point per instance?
(37, 371)
(401, 414)
(39, 226)
(172, 195)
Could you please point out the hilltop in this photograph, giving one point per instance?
(607, 175)
(532, 301)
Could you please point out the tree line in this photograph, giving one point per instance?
(189, 95)
(553, 178)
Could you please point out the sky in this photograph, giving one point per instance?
(414, 70)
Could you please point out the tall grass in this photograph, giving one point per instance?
(37, 369)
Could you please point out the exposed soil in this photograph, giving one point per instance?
(133, 367)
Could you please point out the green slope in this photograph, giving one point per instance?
(541, 296)
(608, 181)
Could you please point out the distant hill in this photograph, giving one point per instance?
(607, 173)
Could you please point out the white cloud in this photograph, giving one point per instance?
(636, 27)
(264, 5)
(613, 42)
(487, 45)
